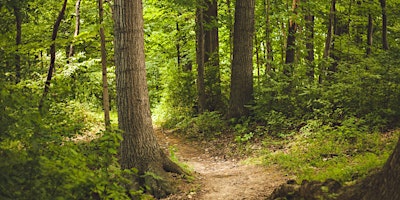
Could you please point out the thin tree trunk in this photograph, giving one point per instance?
(328, 41)
(52, 54)
(268, 43)
(385, 43)
(242, 65)
(369, 35)
(106, 98)
(200, 60)
(230, 25)
(77, 26)
(309, 18)
(18, 24)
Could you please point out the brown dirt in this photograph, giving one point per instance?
(217, 177)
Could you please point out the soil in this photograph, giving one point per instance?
(218, 176)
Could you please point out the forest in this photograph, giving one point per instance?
(200, 99)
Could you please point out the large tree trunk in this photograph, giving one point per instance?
(106, 98)
(139, 148)
(18, 24)
(52, 54)
(385, 43)
(384, 185)
(242, 65)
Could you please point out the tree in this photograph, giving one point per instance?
(77, 26)
(384, 25)
(370, 32)
(242, 65)
(211, 57)
(201, 91)
(139, 148)
(106, 102)
(291, 41)
(52, 54)
(309, 20)
(382, 185)
(18, 41)
(208, 51)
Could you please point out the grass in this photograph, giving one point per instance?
(344, 154)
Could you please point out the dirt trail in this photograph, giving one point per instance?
(220, 178)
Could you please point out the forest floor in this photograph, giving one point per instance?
(215, 175)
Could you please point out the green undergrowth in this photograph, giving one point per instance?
(318, 152)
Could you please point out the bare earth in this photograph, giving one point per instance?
(220, 178)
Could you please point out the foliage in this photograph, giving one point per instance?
(319, 152)
(204, 126)
(43, 157)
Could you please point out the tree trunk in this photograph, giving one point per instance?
(369, 35)
(309, 18)
(139, 148)
(77, 26)
(52, 54)
(385, 43)
(328, 40)
(242, 66)
(268, 42)
(291, 42)
(383, 185)
(200, 60)
(106, 98)
(18, 24)
(211, 57)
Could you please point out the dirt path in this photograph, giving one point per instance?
(219, 178)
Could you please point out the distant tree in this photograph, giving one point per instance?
(309, 20)
(208, 47)
(385, 43)
(291, 41)
(52, 54)
(18, 40)
(139, 148)
(77, 26)
(370, 31)
(242, 64)
(106, 102)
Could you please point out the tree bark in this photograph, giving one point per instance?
(106, 98)
(382, 185)
(385, 43)
(268, 42)
(52, 54)
(291, 42)
(309, 18)
(18, 41)
(328, 40)
(200, 60)
(211, 57)
(369, 35)
(241, 92)
(77, 26)
(139, 148)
